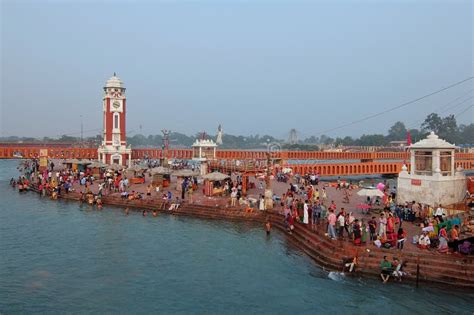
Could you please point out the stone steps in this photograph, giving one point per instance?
(445, 270)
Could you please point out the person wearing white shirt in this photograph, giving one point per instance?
(341, 220)
(305, 213)
(424, 241)
(440, 213)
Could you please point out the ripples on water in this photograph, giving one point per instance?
(61, 257)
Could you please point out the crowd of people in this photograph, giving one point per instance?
(56, 180)
(308, 204)
(305, 201)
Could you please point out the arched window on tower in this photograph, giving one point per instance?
(116, 121)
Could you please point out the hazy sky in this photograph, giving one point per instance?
(254, 66)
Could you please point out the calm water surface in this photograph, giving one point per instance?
(59, 257)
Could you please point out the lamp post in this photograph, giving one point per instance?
(268, 185)
(165, 146)
(82, 132)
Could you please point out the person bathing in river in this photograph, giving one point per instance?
(268, 227)
(350, 264)
(99, 204)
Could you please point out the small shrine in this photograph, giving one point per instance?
(432, 177)
(204, 150)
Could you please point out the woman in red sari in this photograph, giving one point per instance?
(390, 224)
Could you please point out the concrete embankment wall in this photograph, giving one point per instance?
(434, 268)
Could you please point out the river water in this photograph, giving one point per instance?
(58, 257)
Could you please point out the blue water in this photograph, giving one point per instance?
(57, 257)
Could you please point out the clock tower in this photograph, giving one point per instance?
(114, 148)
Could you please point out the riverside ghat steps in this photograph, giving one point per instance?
(436, 268)
(439, 268)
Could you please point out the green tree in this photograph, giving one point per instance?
(416, 135)
(466, 134)
(449, 129)
(397, 132)
(347, 140)
(137, 140)
(446, 128)
(300, 147)
(432, 123)
(326, 139)
(66, 138)
(371, 140)
(311, 140)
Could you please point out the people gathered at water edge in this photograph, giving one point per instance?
(307, 203)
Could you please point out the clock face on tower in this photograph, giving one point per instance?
(116, 105)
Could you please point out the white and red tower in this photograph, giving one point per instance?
(114, 148)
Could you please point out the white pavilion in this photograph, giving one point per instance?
(204, 150)
(432, 178)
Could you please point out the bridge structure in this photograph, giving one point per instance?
(326, 163)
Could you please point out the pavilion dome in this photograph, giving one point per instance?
(432, 142)
(114, 82)
(204, 143)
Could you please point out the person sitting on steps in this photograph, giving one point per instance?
(175, 206)
(386, 269)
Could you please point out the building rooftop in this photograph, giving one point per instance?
(204, 143)
(432, 142)
(114, 82)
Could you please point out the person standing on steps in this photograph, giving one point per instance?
(316, 214)
(233, 197)
(305, 213)
(332, 224)
(261, 203)
(373, 229)
(401, 236)
(383, 226)
(324, 196)
(190, 194)
(341, 219)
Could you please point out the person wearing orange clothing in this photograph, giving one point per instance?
(454, 237)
